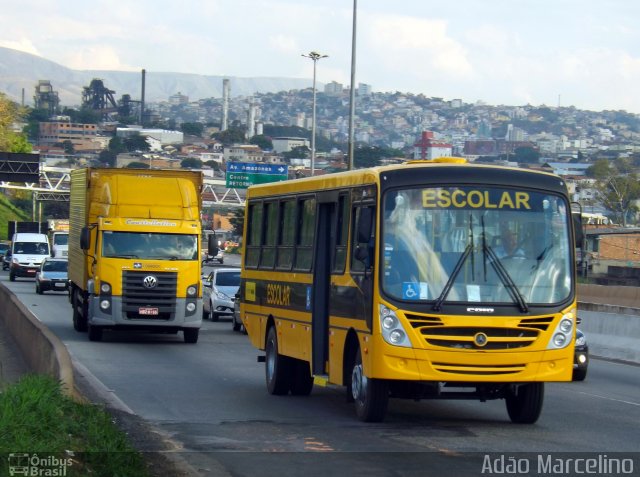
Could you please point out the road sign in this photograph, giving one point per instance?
(241, 175)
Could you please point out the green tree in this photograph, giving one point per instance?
(236, 219)
(527, 155)
(191, 163)
(68, 147)
(11, 141)
(116, 145)
(193, 129)
(233, 135)
(262, 141)
(136, 142)
(616, 188)
(108, 158)
(298, 152)
(137, 165)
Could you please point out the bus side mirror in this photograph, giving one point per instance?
(85, 238)
(212, 245)
(577, 228)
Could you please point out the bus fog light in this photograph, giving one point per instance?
(105, 304)
(191, 307)
(582, 358)
(559, 340)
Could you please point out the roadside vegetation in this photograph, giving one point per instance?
(36, 418)
(9, 212)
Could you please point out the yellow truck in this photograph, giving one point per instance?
(134, 251)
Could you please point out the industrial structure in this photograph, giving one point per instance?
(46, 98)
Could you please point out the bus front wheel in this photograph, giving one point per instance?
(524, 403)
(371, 396)
(277, 366)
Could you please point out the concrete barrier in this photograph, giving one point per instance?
(42, 350)
(611, 320)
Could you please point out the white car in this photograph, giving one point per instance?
(218, 290)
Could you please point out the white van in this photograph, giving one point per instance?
(28, 250)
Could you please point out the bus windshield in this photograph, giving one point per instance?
(151, 246)
(476, 244)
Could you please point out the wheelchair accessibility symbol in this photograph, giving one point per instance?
(410, 291)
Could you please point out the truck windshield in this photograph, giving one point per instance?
(476, 245)
(152, 246)
(61, 239)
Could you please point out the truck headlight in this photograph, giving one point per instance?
(191, 307)
(192, 290)
(105, 288)
(392, 330)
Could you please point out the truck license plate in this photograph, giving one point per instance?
(148, 311)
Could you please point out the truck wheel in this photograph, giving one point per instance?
(277, 366)
(371, 396)
(95, 333)
(524, 403)
(191, 335)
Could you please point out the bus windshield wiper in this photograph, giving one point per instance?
(506, 279)
(122, 255)
(456, 271)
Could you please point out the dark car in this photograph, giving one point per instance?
(581, 357)
(52, 275)
(4, 248)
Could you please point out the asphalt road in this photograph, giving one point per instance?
(211, 400)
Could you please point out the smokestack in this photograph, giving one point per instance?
(144, 74)
(251, 120)
(226, 86)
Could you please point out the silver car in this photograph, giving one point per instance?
(52, 275)
(218, 291)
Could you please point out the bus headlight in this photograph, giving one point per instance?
(563, 334)
(392, 330)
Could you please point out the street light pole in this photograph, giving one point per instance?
(315, 56)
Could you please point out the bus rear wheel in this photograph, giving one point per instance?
(277, 367)
(524, 403)
(371, 396)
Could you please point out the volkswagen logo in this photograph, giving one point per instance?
(150, 282)
(480, 339)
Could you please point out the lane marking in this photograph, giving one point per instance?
(610, 399)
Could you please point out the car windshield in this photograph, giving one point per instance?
(149, 246)
(227, 279)
(40, 248)
(55, 266)
(476, 244)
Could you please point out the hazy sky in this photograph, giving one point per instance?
(569, 52)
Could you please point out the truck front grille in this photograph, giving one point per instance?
(144, 291)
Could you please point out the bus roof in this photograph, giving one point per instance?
(439, 173)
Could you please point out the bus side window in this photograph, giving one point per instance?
(306, 233)
(362, 250)
(254, 235)
(342, 234)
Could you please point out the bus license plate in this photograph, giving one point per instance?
(148, 311)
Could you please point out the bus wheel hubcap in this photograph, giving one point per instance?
(358, 383)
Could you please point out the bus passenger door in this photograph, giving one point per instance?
(325, 241)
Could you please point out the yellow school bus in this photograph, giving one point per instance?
(428, 279)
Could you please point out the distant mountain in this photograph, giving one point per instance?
(20, 70)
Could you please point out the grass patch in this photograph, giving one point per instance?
(37, 419)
